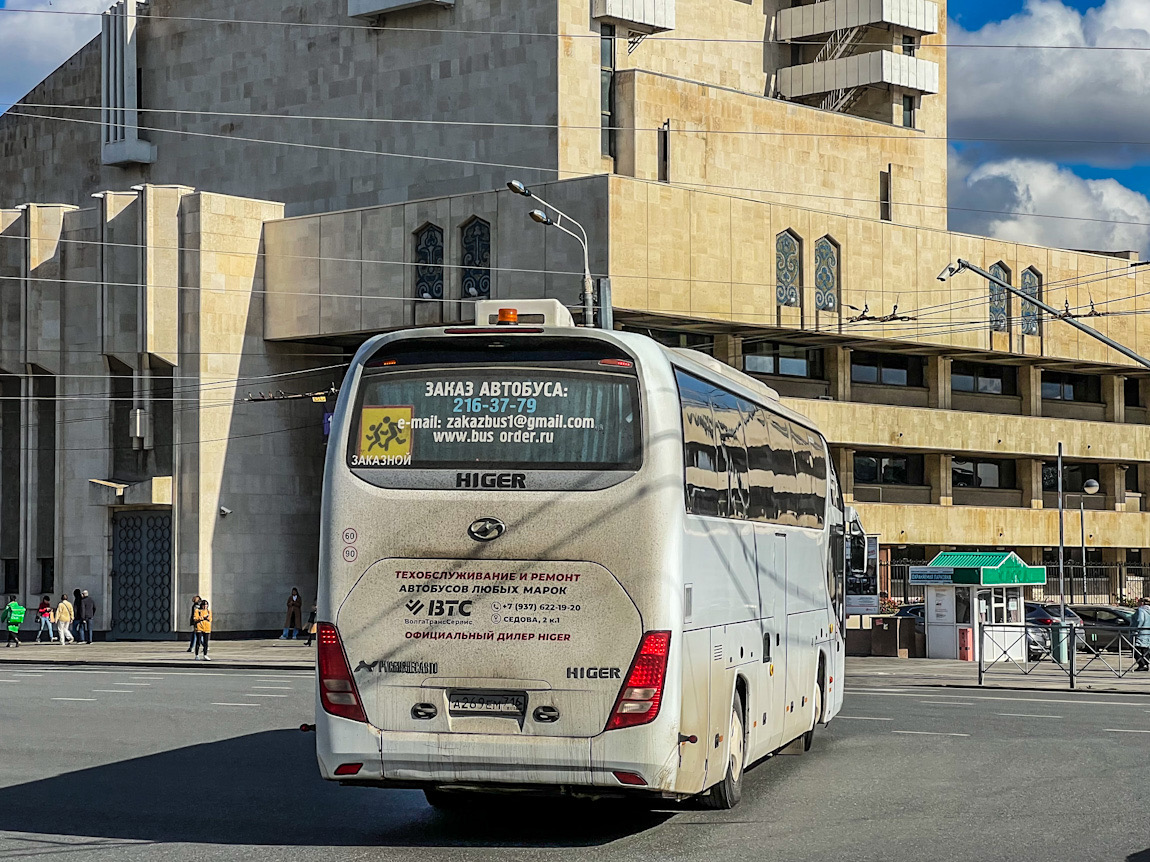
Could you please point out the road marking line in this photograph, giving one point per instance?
(11, 680)
(141, 684)
(932, 733)
(115, 690)
(947, 702)
(1025, 715)
(1124, 730)
(863, 718)
(1016, 699)
(235, 704)
(147, 677)
(74, 698)
(267, 695)
(274, 687)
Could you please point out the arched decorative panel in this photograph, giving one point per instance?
(827, 275)
(999, 300)
(476, 259)
(429, 262)
(788, 269)
(1031, 314)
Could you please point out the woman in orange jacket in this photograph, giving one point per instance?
(202, 618)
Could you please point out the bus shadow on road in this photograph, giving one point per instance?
(264, 788)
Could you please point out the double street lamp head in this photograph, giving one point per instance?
(540, 217)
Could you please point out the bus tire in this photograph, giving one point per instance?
(727, 793)
(809, 736)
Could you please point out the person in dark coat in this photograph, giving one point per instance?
(86, 612)
(192, 622)
(294, 615)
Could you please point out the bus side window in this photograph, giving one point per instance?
(786, 477)
(706, 489)
(729, 426)
(812, 469)
(760, 463)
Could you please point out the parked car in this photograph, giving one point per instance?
(1103, 625)
(1039, 618)
(916, 610)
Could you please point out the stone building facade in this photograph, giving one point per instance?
(259, 192)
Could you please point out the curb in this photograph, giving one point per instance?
(225, 665)
(977, 687)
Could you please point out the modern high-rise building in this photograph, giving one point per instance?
(208, 202)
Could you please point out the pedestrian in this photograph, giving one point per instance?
(65, 615)
(1141, 626)
(311, 625)
(86, 612)
(192, 622)
(12, 616)
(202, 616)
(291, 624)
(46, 617)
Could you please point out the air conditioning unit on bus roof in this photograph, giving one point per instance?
(539, 312)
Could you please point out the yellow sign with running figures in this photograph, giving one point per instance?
(385, 433)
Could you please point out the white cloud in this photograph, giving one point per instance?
(1020, 185)
(1055, 94)
(34, 44)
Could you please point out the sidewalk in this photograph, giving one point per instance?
(881, 672)
(258, 654)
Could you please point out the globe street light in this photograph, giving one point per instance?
(1090, 486)
(541, 217)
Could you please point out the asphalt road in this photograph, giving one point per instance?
(206, 764)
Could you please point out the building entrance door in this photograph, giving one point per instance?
(141, 574)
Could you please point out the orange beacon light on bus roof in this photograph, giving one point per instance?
(507, 317)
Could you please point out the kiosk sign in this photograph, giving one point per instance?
(931, 575)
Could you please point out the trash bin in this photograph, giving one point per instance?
(1061, 641)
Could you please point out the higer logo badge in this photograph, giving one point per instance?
(486, 529)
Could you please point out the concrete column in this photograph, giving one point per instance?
(1030, 481)
(1112, 478)
(938, 382)
(838, 362)
(1030, 388)
(1114, 397)
(940, 477)
(729, 349)
(845, 467)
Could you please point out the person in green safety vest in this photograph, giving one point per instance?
(12, 616)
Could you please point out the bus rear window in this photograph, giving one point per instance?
(497, 418)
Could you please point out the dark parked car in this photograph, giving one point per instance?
(1104, 625)
(916, 610)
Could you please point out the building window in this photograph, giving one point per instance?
(1131, 483)
(909, 46)
(1133, 392)
(477, 259)
(886, 369)
(982, 474)
(607, 89)
(47, 575)
(765, 357)
(11, 576)
(1061, 386)
(999, 300)
(884, 194)
(788, 269)
(827, 275)
(429, 262)
(1074, 476)
(664, 154)
(984, 379)
(872, 468)
(908, 112)
(1031, 314)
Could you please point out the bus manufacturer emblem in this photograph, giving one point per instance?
(486, 529)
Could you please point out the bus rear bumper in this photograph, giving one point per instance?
(400, 758)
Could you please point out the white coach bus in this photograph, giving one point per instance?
(567, 560)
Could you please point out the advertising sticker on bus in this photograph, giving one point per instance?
(385, 435)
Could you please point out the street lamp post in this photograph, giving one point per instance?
(541, 217)
(1090, 486)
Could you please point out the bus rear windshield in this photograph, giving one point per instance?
(497, 418)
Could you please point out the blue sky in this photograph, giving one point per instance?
(973, 14)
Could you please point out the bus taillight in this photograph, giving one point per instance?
(337, 690)
(642, 691)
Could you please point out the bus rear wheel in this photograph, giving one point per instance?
(809, 736)
(727, 793)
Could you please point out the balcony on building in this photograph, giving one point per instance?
(873, 69)
(830, 16)
(642, 17)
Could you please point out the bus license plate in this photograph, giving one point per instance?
(487, 703)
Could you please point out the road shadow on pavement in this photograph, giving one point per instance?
(264, 788)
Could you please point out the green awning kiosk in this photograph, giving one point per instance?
(966, 587)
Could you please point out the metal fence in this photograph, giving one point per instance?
(1097, 584)
(1078, 654)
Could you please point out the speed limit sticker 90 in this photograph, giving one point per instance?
(349, 554)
